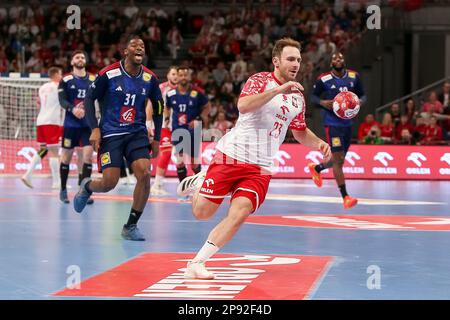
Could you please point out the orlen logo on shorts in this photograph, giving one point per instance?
(445, 158)
(351, 157)
(418, 159)
(127, 115)
(384, 158)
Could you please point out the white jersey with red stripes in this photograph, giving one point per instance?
(258, 135)
(50, 111)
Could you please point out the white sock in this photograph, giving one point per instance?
(159, 180)
(54, 168)
(33, 163)
(207, 251)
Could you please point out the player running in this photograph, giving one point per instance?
(72, 92)
(269, 104)
(190, 107)
(48, 128)
(122, 91)
(165, 144)
(338, 131)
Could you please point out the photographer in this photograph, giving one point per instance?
(374, 136)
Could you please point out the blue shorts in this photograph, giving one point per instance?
(114, 149)
(187, 142)
(339, 138)
(75, 137)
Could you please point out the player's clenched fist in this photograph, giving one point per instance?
(291, 87)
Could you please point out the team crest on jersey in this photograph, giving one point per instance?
(105, 159)
(336, 142)
(91, 77)
(171, 93)
(194, 93)
(127, 114)
(146, 76)
(352, 74)
(326, 78)
(67, 142)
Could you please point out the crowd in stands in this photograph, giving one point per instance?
(427, 125)
(229, 47)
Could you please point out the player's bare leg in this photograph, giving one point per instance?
(64, 168)
(239, 210)
(338, 159)
(37, 158)
(141, 169)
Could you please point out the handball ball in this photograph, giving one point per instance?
(346, 105)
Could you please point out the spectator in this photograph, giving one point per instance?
(387, 128)
(237, 77)
(53, 43)
(131, 10)
(266, 49)
(373, 137)
(219, 73)
(405, 137)
(258, 62)
(204, 75)
(34, 64)
(239, 61)
(174, 41)
(154, 36)
(433, 105)
(366, 126)
(222, 123)
(420, 129)
(226, 55)
(253, 41)
(323, 48)
(444, 97)
(395, 113)
(404, 124)
(433, 132)
(410, 110)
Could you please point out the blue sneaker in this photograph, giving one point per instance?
(82, 196)
(63, 196)
(90, 201)
(132, 232)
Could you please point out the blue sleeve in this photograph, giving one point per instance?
(167, 102)
(359, 90)
(155, 97)
(62, 96)
(96, 91)
(318, 89)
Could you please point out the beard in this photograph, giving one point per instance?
(338, 69)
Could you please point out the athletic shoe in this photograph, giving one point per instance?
(63, 196)
(82, 196)
(314, 174)
(90, 201)
(197, 270)
(157, 190)
(132, 232)
(350, 202)
(189, 184)
(26, 180)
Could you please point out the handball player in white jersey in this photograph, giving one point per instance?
(49, 128)
(270, 103)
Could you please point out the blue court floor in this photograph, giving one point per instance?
(406, 248)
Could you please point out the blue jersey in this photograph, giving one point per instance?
(123, 98)
(186, 107)
(328, 86)
(71, 91)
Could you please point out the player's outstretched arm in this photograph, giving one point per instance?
(309, 139)
(252, 102)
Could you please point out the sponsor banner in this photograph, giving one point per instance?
(361, 162)
(399, 223)
(248, 277)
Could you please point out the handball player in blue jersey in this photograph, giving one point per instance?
(71, 93)
(122, 91)
(190, 108)
(338, 131)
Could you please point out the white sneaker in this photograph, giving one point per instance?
(189, 184)
(56, 185)
(158, 190)
(26, 180)
(197, 270)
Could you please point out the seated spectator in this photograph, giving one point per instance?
(433, 133)
(405, 137)
(203, 75)
(387, 128)
(237, 77)
(433, 105)
(373, 137)
(410, 110)
(444, 97)
(404, 124)
(253, 41)
(266, 49)
(219, 73)
(366, 126)
(226, 55)
(420, 129)
(239, 61)
(222, 123)
(395, 113)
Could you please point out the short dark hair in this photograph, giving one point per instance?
(132, 37)
(52, 71)
(172, 67)
(74, 53)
